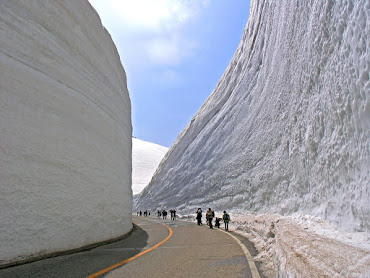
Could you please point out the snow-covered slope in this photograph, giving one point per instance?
(287, 128)
(283, 142)
(65, 133)
(146, 157)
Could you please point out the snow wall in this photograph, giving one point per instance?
(286, 130)
(65, 134)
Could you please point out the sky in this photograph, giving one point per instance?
(174, 53)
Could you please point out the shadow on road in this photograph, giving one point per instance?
(84, 263)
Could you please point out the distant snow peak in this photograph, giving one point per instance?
(146, 157)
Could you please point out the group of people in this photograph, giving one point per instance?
(210, 214)
(145, 213)
(164, 213)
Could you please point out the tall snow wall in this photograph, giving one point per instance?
(286, 130)
(65, 134)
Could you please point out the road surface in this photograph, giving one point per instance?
(156, 248)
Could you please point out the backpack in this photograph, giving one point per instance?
(226, 217)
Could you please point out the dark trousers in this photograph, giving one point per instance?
(227, 226)
(210, 222)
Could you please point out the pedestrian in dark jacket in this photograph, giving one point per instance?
(217, 222)
(199, 216)
(226, 218)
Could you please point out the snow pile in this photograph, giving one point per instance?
(65, 135)
(286, 131)
(146, 157)
(304, 246)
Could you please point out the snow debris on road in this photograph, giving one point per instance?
(304, 246)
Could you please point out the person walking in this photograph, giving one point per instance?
(210, 214)
(226, 218)
(217, 222)
(164, 214)
(199, 216)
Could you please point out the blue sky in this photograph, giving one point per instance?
(174, 52)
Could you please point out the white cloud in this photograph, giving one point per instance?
(170, 51)
(153, 28)
(148, 14)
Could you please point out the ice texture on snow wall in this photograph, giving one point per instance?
(65, 134)
(286, 130)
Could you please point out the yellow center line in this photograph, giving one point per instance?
(248, 255)
(134, 257)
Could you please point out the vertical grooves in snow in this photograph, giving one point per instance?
(287, 128)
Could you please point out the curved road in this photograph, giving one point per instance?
(156, 248)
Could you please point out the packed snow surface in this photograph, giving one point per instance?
(65, 134)
(146, 157)
(286, 130)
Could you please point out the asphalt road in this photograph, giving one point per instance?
(156, 248)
